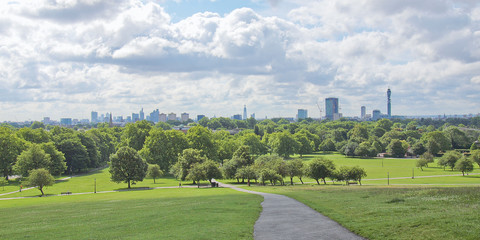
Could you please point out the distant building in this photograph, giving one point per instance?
(129, 119)
(154, 116)
(363, 112)
(244, 112)
(66, 121)
(185, 117)
(389, 103)
(252, 115)
(237, 117)
(302, 114)
(142, 114)
(94, 117)
(376, 114)
(135, 117)
(46, 120)
(331, 108)
(163, 117)
(172, 117)
(199, 117)
(337, 116)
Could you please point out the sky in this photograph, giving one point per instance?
(66, 58)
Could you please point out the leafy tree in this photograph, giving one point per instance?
(418, 148)
(347, 174)
(284, 144)
(349, 148)
(202, 139)
(154, 172)
(440, 138)
(396, 148)
(76, 154)
(294, 168)
(424, 160)
(32, 158)
(359, 133)
(163, 125)
(268, 174)
(40, 178)
(256, 146)
(449, 159)
(458, 138)
(105, 143)
(363, 150)
(196, 173)
(320, 168)
(33, 135)
(163, 147)
(10, 147)
(134, 134)
(246, 172)
(37, 125)
(356, 173)
(464, 165)
(305, 146)
(475, 155)
(211, 170)
(92, 150)
(187, 159)
(327, 145)
(57, 159)
(127, 165)
(385, 124)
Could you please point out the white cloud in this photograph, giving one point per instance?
(121, 56)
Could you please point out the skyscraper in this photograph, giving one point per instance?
(94, 117)
(376, 114)
(302, 114)
(185, 117)
(142, 115)
(363, 112)
(389, 103)
(244, 112)
(331, 107)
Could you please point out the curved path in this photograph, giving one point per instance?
(285, 218)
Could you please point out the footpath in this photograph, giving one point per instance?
(286, 218)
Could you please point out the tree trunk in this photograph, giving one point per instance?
(463, 173)
(291, 180)
(359, 181)
(324, 182)
(153, 180)
(128, 183)
(301, 180)
(41, 190)
(317, 181)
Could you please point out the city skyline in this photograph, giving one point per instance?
(66, 58)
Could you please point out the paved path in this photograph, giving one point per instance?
(285, 218)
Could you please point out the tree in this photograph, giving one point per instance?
(134, 134)
(363, 150)
(464, 165)
(196, 173)
(294, 169)
(127, 165)
(268, 174)
(385, 124)
(396, 149)
(154, 172)
(75, 153)
(32, 158)
(40, 178)
(187, 159)
(211, 170)
(92, 150)
(202, 139)
(424, 160)
(349, 148)
(356, 173)
(327, 145)
(449, 159)
(320, 168)
(284, 144)
(475, 155)
(246, 172)
(305, 146)
(256, 146)
(10, 147)
(163, 147)
(38, 135)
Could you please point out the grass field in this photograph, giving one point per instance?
(379, 168)
(86, 183)
(394, 212)
(151, 214)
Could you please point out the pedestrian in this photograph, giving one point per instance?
(21, 187)
(180, 184)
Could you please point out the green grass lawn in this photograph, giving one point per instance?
(395, 167)
(86, 183)
(181, 213)
(394, 212)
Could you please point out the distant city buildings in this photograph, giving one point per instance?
(185, 117)
(244, 112)
(154, 116)
(376, 114)
(331, 108)
(199, 117)
(363, 112)
(302, 114)
(66, 121)
(142, 115)
(94, 117)
(162, 117)
(237, 117)
(389, 103)
(172, 117)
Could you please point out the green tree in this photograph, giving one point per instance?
(92, 150)
(127, 165)
(464, 165)
(327, 145)
(37, 125)
(163, 125)
(424, 160)
(475, 155)
(284, 144)
(211, 170)
(458, 138)
(356, 173)
(294, 168)
(38, 135)
(40, 178)
(187, 159)
(154, 172)
(396, 149)
(75, 153)
(268, 174)
(202, 139)
(305, 146)
(349, 148)
(134, 134)
(163, 147)
(32, 158)
(196, 173)
(10, 147)
(363, 150)
(254, 143)
(385, 124)
(320, 168)
(57, 159)
(449, 159)
(246, 172)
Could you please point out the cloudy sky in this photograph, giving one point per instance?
(65, 58)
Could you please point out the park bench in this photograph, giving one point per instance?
(66, 193)
(351, 183)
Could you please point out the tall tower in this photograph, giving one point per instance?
(244, 112)
(331, 108)
(363, 112)
(389, 103)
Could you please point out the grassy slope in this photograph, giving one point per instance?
(85, 183)
(160, 214)
(395, 212)
(395, 168)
